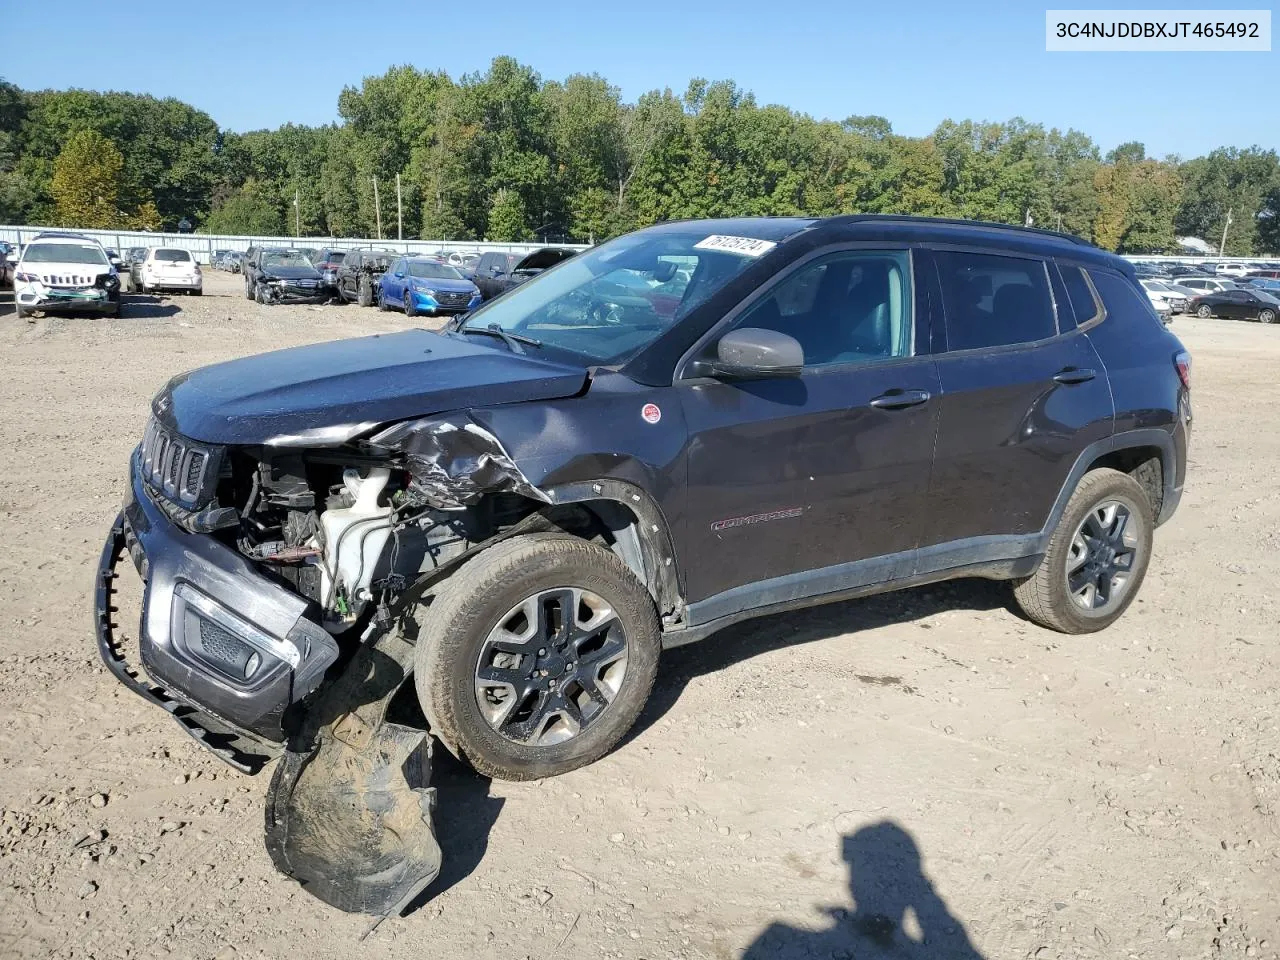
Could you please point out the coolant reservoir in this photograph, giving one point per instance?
(354, 536)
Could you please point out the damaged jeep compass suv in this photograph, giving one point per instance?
(688, 425)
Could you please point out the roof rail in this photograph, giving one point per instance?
(954, 222)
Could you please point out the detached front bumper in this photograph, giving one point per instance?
(36, 296)
(223, 649)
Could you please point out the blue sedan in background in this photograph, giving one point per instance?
(425, 285)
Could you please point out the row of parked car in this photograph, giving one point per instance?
(1242, 298)
(440, 283)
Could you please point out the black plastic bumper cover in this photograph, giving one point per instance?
(215, 634)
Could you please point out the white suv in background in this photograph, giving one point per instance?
(171, 268)
(1231, 269)
(65, 273)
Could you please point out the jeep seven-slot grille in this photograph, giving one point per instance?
(181, 470)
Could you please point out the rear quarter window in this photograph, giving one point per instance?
(1079, 294)
(1123, 300)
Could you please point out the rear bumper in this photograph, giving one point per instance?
(172, 283)
(225, 650)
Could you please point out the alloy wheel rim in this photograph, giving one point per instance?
(1103, 556)
(551, 667)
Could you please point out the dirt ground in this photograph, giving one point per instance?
(1000, 790)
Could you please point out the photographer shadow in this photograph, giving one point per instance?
(897, 913)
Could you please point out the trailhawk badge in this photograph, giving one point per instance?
(651, 413)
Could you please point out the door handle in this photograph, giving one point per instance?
(899, 399)
(1074, 375)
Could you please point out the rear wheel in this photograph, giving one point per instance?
(1267, 316)
(1097, 556)
(1204, 311)
(536, 656)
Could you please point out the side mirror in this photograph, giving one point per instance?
(399, 276)
(12, 258)
(753, 353)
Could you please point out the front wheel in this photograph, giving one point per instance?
(1204, 311)
(409, 309)
(536, 656)
(1096, 559)
(364, 295)
(248, 289)
(1267, 316)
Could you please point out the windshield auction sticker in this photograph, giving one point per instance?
(1157, 30)
(746, 246)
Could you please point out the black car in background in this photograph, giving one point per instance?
(498, 272)
(281, 274)
(1240, 303)
(491, 270)
(692, 424)
(356, 279)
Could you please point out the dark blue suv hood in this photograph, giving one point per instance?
(369, 380)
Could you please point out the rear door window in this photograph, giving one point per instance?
(992, 300)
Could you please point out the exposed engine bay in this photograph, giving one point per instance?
(351, 529)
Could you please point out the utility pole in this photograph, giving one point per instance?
(297, 215)
(377, 206)
(1222, 250)
(399, 212)
(1059, 223)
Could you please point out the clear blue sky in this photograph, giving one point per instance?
(259, 64)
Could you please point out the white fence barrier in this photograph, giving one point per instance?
(203, 245)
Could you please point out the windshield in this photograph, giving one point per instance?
(431, 270)
(609, 302)
(173, 256)
(64, 253)
(285, 258)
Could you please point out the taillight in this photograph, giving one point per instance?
(1182, 360)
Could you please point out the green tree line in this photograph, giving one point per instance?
(507, 155)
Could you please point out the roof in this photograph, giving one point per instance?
(58, 237)
(897, 227)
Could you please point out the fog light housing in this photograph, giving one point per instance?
(220, 639)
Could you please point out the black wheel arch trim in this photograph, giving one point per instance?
(645, 546)
(1125, 440)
